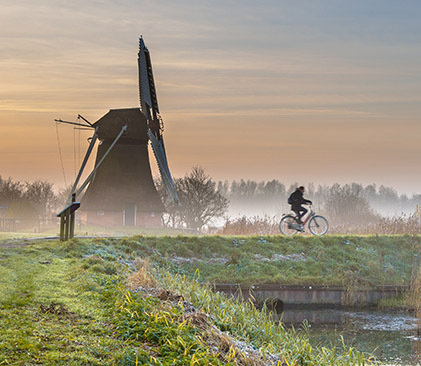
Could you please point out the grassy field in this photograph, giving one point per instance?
(330, 260)
(112, 302)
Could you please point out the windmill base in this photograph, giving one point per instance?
(122, 218)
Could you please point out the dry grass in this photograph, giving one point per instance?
(415, 298)
(255, 225)
(236, 352)
(396, 225)
(416, 291)
(266, 225)
(142, 277)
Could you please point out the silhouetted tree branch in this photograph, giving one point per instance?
(200, 201)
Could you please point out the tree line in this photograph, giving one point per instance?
(29, 200)
(348, 202)
(204, 201)
(379, 197)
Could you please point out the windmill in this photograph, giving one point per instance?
(120, 188)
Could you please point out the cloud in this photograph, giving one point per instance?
(246, 74)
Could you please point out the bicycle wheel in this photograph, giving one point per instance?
(287, 224)
(318, 225)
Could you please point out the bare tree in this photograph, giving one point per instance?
(171, 217)
(200, 201)
(345, 206)
(11, 199)
(63, 197)
(41, 196)
(10, 190)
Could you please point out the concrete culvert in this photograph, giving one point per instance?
(274, 304)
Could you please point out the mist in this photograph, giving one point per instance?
(34, 205)
(269, 198)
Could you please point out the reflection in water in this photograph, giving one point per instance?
(393, 337)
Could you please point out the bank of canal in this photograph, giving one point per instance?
(325, 296)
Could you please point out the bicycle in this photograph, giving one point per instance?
(317, 224)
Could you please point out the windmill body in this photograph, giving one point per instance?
(120, 190)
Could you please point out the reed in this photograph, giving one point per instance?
(415, 291)
(269, 225)
(255, 225)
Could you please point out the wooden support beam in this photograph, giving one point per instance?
(67, 220)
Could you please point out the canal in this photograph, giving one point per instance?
(392, 336)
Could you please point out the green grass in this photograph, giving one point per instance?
(35, 276)
(91, 230)
(20, 235)
(94, 230)
(329, 260)
(67, 304)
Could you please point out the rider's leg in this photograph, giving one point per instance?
(301, 212)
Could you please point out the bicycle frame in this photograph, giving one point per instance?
(316, 224)
(308, 217)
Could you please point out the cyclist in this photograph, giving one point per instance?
(296, 199)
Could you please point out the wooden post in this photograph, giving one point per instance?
(66, 235)
(72, 219)
(61, 228)
(67, 220)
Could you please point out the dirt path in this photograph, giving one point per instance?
(22, 242)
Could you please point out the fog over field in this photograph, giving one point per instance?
(270, 198)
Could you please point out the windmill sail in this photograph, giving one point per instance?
(149, 106)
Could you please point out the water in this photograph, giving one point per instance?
(393, 337)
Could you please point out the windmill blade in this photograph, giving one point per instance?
(149, 106)
(161, 159)
(147, 91)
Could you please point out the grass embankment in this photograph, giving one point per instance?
(85, 302)
(330, 260)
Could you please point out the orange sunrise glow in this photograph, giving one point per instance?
(276, 92)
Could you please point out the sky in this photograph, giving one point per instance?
(302, 91)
